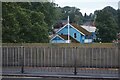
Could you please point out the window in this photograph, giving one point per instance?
(88, 36)
(75, 35)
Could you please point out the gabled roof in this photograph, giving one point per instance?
(57, 36)
(81, 29)
(65, 37)
(89, 28)
(78, 28)
(62, 28)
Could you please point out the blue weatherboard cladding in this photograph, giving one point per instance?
(79, 37)
(93, 35)
(57, 39)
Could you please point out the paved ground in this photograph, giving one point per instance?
(61, 72)
(40, 78)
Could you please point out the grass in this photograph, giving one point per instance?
(62, 45)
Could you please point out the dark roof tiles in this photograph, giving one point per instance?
(84, 31)
(65, 37)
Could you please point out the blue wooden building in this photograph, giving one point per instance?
(72, 33)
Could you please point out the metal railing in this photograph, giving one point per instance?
(71, 60)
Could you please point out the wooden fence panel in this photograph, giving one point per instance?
(60, 56)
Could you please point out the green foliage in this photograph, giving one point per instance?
(118, 11)
(106, 25)
(88, 18)
(32, 21)
(22, 24)
(74, 14)
(48, 9)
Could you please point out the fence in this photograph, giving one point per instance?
(62, 59)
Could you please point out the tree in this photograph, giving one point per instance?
(114, 14)
(48, 9)
(10, 26)
(74, 14)
(106, 25)
(118, 11)
(21, 24)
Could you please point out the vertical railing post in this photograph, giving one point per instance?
(75, 60)
(119, 58)
(22, 59)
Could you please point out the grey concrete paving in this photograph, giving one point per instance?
(61, 72)
(30, 78)
(37, 78)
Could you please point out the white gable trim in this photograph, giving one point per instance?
(77, 29)
(61, 28)
(57, 36)
(71, 26)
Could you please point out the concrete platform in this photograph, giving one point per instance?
(61, 73)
